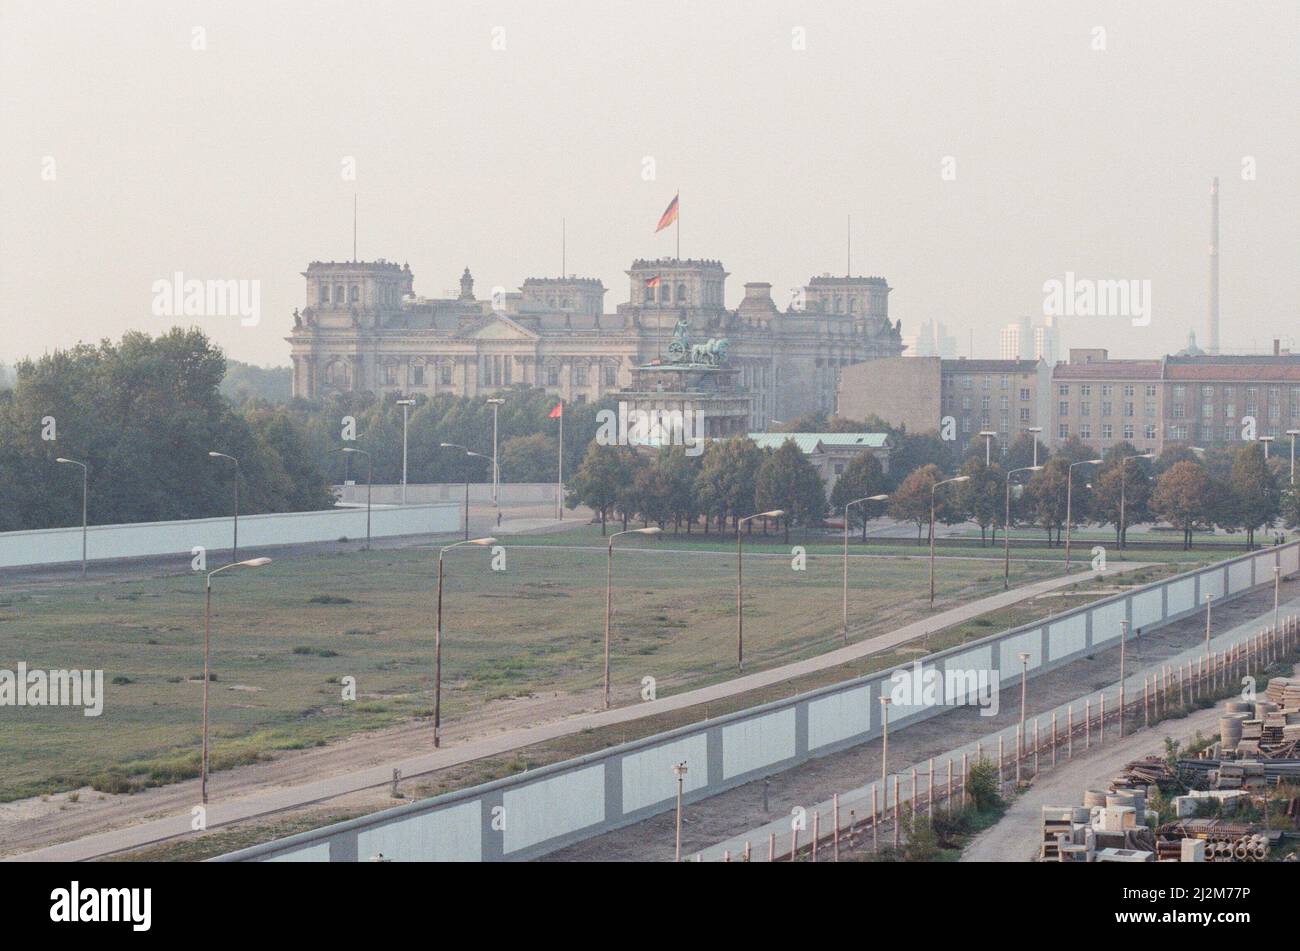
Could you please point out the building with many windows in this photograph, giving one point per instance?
(1193, 398)
(365, 328)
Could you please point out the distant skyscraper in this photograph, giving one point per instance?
(1027, 340)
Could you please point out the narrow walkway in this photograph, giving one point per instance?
(264, 803)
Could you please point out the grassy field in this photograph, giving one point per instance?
(284, 637)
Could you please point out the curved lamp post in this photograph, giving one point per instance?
(370, 474)
(740, 609)
(437, 639)
(609, 591)
(1006, 527)
(1069, 503)
(234, 548)
(932, 491)
(207, 633)
(868, 498)
(85, 488)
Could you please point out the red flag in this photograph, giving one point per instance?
(669, 215)
(558, 411)
(652, 281)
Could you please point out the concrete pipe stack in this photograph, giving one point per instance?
(1230, 728)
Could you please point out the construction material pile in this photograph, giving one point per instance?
(1268, 728)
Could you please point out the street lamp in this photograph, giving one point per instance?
(437, 639)
(495, 402)
(609, 589)
(1123, 643)
(85, 487)
(1034, 431)
(234, 550)
(1293, 433)
(932, 491)
(1006, 527)
(370, 474)
(1069, 503)
(1209, 620)
(207, 636)
(406, 407)
(1020, 740)
(1123, 472)
(679, 770)
(869, 498)
(740, 610)
(988, 435)
(479, 455)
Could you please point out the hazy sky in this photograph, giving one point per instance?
(225, 163)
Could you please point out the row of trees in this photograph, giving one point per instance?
(1234, 491)
(143, 414)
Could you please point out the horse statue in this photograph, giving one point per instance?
(712, 353)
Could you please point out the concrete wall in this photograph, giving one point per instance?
(512, 493)
(56, 545)
(539, 811)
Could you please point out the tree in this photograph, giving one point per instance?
(787, 480)
(915, 451)
(1046, 495)
(725, 483)
(1182, 497)
(981, 498)
(862, 477)
(1255, 495)
(1122, 491)
(598, 481)
(1020, 454)
(528, 458)
(910, 502)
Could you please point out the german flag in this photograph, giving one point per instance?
(669, 215)
(558, 411)
(652, 281)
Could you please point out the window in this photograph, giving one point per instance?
(552, 376)
(445, 374)
(611, 376)
(1107, 409)
(354, 294)
(1207, 432)
(681, 293)
(984, 403)
(1128, 389)
(1024, 414)
(1063, 408)
(1006, 382)
(1063, 431)
(1151, 389)
(1064, 389)
(1085, 389)
(1149, 432)
(1151, 407)
(1002, 403)
(1178, 433)
(580, 375)
(1178, 411)
(338, 293)
(1207, 410)
(390, 374)
(1207, 392)
(1107, 432)
(965, 424)
(1085, 431)
(1108, 389)
(324, 293)
(1024, 393)
(1085, 409)
(965, 403)
(417, 375)
(1129, 410)
(965, 383)
(1180, 391)
(1128, 430)
(649, 295)
(665, 293)
(1230, 410)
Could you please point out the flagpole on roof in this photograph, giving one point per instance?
(678, 217)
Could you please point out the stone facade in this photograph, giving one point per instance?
(364, 328)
